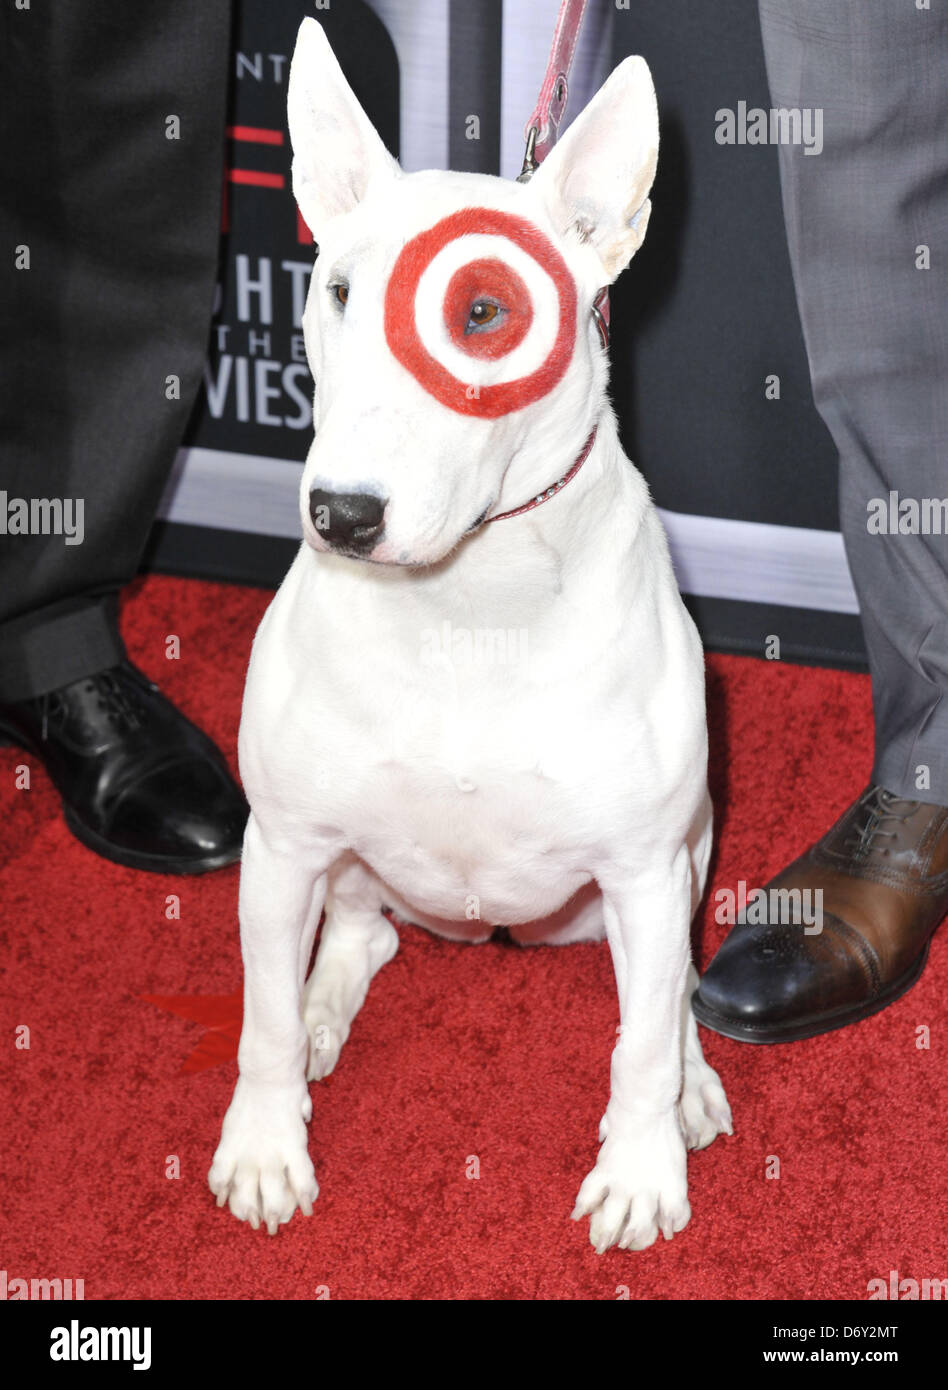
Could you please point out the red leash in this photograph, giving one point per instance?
(544, 124)
(541, 132)
(543, 127)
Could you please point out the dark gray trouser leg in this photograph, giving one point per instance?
(876, 327)
(122, 226)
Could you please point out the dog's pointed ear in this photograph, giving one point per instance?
(336, 149)
(596, 180)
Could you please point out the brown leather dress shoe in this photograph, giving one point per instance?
(883, 874)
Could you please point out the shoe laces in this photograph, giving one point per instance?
(881, 808)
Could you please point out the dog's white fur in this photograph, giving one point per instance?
(563, 793)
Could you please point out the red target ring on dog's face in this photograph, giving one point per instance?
(493, 286)
(479, 296)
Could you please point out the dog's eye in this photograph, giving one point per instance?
(340, 293)
(483, 311)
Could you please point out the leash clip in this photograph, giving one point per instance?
(530, 164)
(600, 312)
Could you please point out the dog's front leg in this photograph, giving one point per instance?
(262, 1166)
(639, 1184)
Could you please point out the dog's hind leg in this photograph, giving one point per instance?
(703, 1107)
(356, 941)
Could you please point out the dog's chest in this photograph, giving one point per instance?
(456, 844)
(470, 801)
(460, 763)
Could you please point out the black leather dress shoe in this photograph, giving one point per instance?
(140, 783)
(880, 880)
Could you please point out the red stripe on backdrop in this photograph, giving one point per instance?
(256, 178)
(257, 135)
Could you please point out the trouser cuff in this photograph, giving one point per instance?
(42, 651)
(923, 776)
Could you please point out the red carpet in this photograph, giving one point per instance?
(490, 1051)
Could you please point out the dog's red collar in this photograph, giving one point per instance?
(551, 491)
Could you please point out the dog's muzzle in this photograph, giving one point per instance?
(351, 522)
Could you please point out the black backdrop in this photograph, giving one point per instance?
(705, 314)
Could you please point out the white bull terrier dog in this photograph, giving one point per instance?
(555, 783)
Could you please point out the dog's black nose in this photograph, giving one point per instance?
(351, 521)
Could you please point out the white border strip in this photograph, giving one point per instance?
(234, 492)
(751, 561)
(419, 32)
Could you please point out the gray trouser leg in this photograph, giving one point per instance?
(858, 216)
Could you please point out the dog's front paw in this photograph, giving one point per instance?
(638, 1187)
(262, 1168)
(703, 1107)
